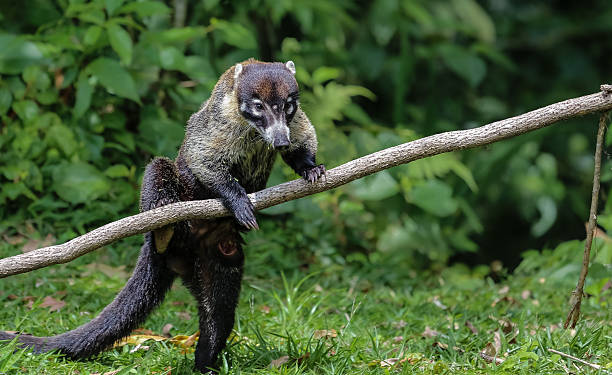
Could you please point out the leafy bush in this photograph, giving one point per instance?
(92, 90)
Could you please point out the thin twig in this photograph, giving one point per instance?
(576, 298)
(366, 165)
(591, 365)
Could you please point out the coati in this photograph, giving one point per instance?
(230, 144)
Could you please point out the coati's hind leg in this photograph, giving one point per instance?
(215, 283)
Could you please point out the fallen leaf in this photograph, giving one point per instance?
(186, 342)
(14, 240)
(265, 309)
(166, 330)
(440, 345)
(505, 324)
(398, 339)
(303, 357)
(398, 325)
(430, 332)
(489, 350)
(389, 362)
(497, 341)
(504, 290)
(183, 315)
(142, 331)
(525, 294)
(436, 301)
(325, 333)
(54, 304)
(279, 361)
(139, 339)
(12, 297)
(471, 327)
(508, 299)
(178, 303)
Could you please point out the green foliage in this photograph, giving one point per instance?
(91, 90)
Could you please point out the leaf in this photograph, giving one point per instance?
(27, 110)
(464, 63)
(112, 5)
(325, 333)
(171, 58)
(118, 170)
(62, 137)
(279, 361)
(17, 53)
(235, 34)
(121, 42)
(473, 15)
(53, 303)
(325, 73)
(79, 182)
(377, 187)
(435, 197)
(114, 78)
(145, 8)
(6, 98)
(83, 96)
(92, 35)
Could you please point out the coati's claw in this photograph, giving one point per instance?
(245, 215)
(311, 175)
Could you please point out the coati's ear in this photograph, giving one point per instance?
(291, 66)
(237, 71)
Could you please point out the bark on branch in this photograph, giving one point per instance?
(366, 165)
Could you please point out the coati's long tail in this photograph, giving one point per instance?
(144, 290)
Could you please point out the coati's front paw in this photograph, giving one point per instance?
(313, 174)
(244, 212)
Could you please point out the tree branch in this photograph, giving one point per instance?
(366, 165)
(576, 298)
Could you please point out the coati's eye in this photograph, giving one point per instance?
(289, 108)
(258, 106)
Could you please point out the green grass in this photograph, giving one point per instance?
(328, 319)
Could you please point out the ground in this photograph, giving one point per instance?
(326, 319)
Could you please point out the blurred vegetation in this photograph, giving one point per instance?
(91, 91)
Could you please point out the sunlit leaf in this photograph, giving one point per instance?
(79, 182)
(114, 77)
(121, 42)
(235, 34)
(435, 197)
(464, 63)
(83, 96)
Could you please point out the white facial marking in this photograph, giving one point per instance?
(289, 99)
(275, 107)
(243, 107)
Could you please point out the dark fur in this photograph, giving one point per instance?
(206, 254)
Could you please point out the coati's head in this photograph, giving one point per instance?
(267, 96)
